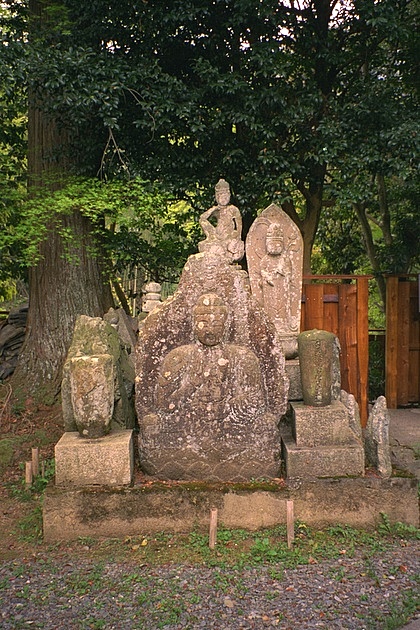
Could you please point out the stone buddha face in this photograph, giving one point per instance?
(275, 241)
(210, 316)
(222, 191)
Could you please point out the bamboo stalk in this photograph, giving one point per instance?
(35, 462)
(213, 528)
(28, 474)
(290, 518)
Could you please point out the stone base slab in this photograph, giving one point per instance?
(322, 461)
(117, 512)
(107, 460)
(321, 426)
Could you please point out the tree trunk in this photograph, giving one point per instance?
(309, 224)
(60, 289)
(360, 209)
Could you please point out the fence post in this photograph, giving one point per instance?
(363, 347)
(391, 352)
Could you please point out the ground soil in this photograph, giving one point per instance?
(23, 427)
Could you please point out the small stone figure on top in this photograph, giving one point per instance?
(224, 238)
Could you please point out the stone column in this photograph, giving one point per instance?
(316, 353)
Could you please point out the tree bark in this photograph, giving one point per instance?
(308, 225)
(59, 291)
(360, 209)
(60, 288)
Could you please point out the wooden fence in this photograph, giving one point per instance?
(339, 304)
(402, 354)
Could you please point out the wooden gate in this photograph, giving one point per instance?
(341, 307)
(402, 355)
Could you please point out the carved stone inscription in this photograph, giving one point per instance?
(274, 251)
(316, 353)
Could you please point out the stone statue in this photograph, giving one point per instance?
(210, 378)
(98, 378)
(224, 237)
(276, 277)
(211, 384)
(274, 254)
(211, 417)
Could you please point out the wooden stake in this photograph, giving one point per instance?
(290, 523)
(35, 462)
(28, 474)
(213, 528)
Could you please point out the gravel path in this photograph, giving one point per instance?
(362, 592)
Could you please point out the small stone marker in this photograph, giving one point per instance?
(28, 474)
(290, 523)
(316, 353)
(35, 462)
(213, 528)
(377, 449)
(151, 299)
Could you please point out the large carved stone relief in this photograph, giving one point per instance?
(274, 250)
(210, 375)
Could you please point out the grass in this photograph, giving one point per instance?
(400, 610)
(239, 548)
(170, 602)
(29, 527)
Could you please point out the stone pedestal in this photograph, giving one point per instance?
(321, 443)
(322, 461)
(326, 426)
(106, 461)
(69, 513)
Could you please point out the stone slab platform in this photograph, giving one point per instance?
(322, 461)
(321, 426)
(118, 512)
(108, 460)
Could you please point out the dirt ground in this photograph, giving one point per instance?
(22, 428)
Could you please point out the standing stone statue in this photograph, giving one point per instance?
(224, 237)
(98, 377)
(274, 250)
(210, 417)
(211, 384)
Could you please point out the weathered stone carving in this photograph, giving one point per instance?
(316, 355)
(323, 437)
(151, 297)
(210, 379)
(377, 449)
(125, 325)
(224, 237)
(274, 250)
(98, 379)
(210, 373)
(211, 414)
(350, 403)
